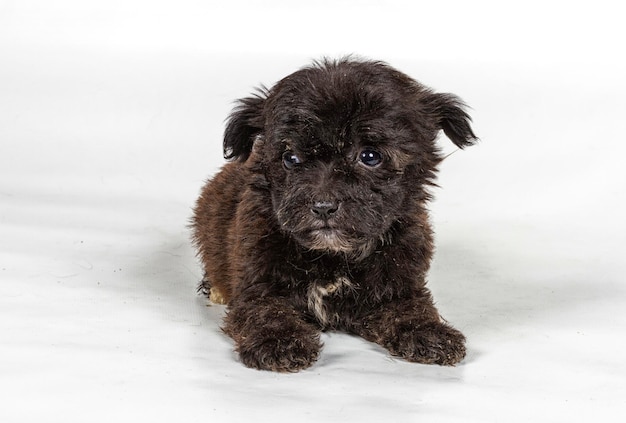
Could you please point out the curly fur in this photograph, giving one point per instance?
(288, 270)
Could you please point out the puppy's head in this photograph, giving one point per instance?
(347, 149)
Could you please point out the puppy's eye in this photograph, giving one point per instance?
(370, 157)
(290, 160)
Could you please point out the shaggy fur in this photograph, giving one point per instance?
(319, 222)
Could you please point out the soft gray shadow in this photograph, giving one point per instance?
(170, 272)
(486, 289)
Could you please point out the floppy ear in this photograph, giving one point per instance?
(449, 113)
(244, 124)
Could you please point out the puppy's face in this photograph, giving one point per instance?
(347, 149)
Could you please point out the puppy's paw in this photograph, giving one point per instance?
(270, 334)
(280, 354)
(430, 343)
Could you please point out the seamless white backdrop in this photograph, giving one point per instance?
(111, 115)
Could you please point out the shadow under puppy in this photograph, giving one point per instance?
(320, 221)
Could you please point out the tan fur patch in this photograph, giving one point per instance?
(216, 297)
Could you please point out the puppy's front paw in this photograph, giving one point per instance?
(280, 353)
(271, 335)
(430, 343)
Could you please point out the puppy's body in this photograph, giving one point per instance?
(321, 223)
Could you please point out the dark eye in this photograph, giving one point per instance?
(290, 160)
(370, 157)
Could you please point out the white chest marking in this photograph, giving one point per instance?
(318, 295)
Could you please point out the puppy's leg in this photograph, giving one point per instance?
(271, 335)
(412, 329)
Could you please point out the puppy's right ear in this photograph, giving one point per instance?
(244, 124)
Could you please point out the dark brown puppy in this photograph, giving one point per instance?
(320, 222)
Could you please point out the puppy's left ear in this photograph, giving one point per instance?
(449, 114)
(244, 124)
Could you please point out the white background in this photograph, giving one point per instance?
(111, 115)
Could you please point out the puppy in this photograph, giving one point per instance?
(320, 221)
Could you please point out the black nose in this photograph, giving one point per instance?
(324, 209)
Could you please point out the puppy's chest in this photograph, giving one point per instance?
(325, 297)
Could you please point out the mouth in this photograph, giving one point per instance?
(328, 230)
(331, 239)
